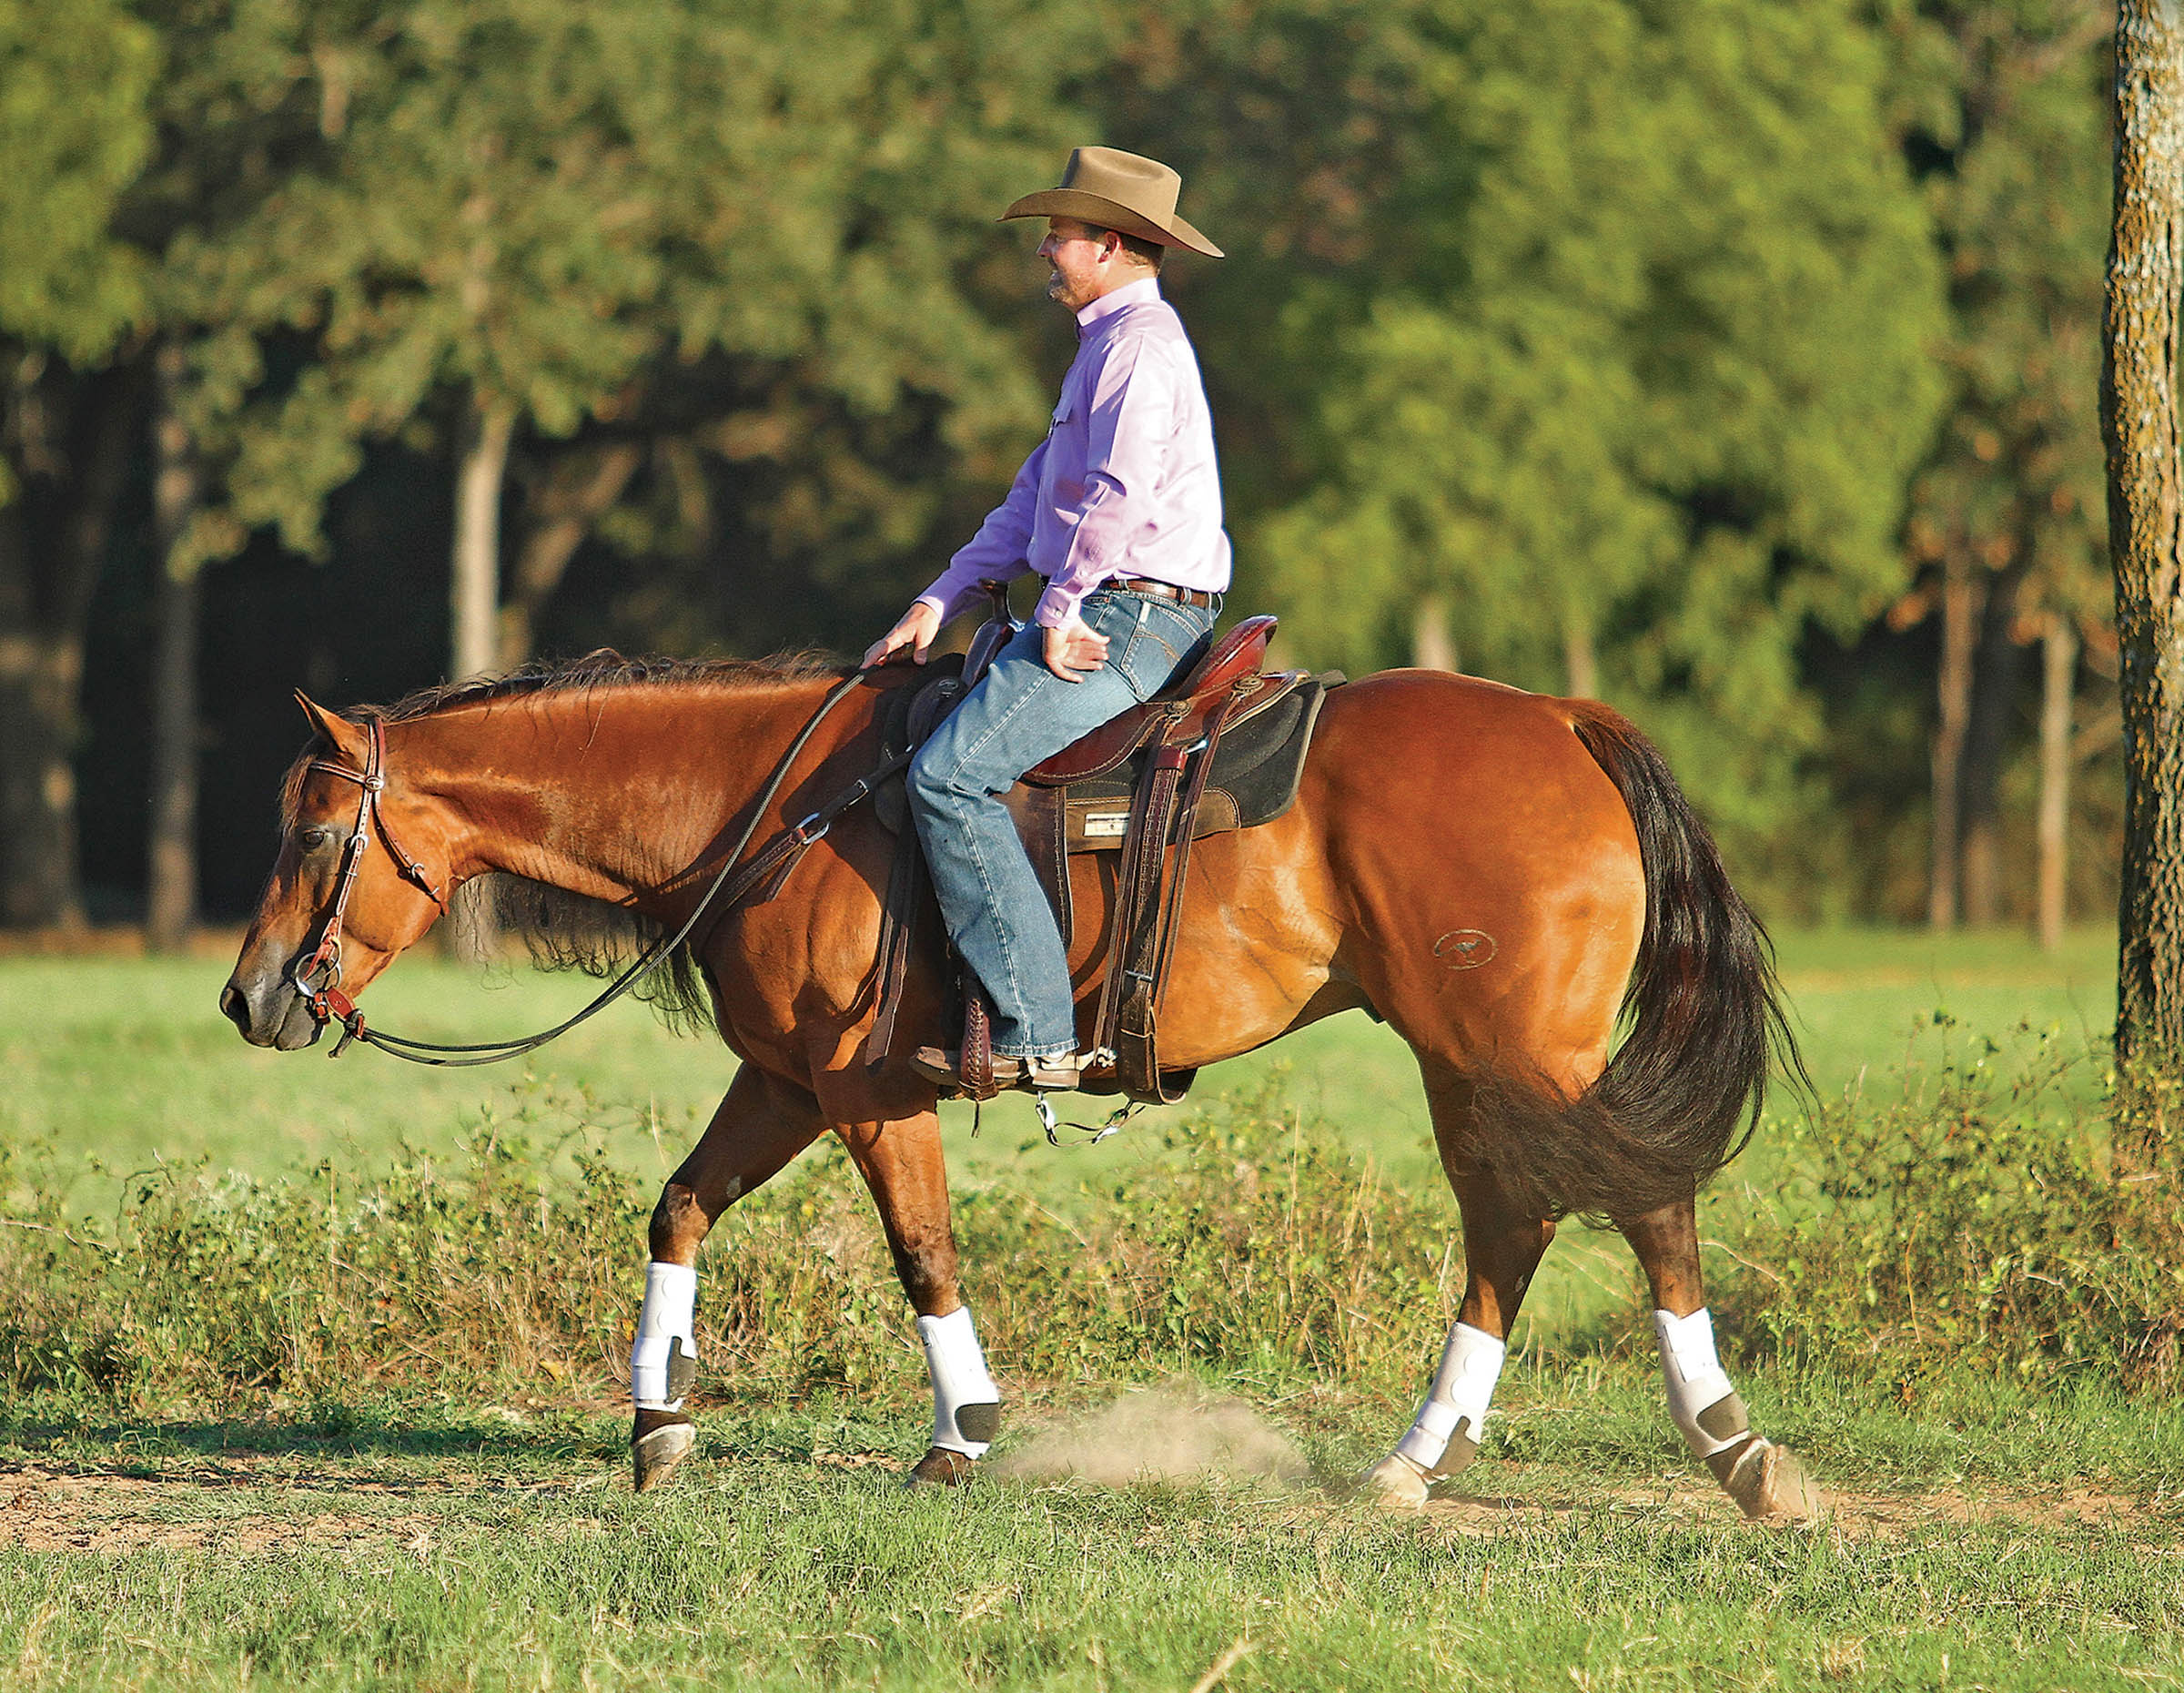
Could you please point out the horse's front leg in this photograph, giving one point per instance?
(901, 1162)
(761, 1125)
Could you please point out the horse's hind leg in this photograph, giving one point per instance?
(760, 1126)
(1765, 1479)
(1502, 1249)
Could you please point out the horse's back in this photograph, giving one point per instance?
(1498, 774)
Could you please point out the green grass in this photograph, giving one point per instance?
(123, 1064)
(456, 1551)
(127, 1061)
(437, 1500)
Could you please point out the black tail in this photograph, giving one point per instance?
(1703, 1018)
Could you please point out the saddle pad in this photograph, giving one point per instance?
(1256, 770)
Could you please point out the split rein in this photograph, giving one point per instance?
(319, 977)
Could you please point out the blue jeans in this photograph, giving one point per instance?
(1019, 713)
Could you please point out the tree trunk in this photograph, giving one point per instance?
(171, 886)
(1998, 674)
(475, 575)
(52, 546)
(41, 674)
(581, 490)
(469, 930)
(1581, 671)
(1959, 619)
(2139, 423)
(1431, 648)
(2058, 672)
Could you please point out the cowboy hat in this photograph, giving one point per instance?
(1118, 190)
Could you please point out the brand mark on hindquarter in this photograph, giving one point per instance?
(1464, 949)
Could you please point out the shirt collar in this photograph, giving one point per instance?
(1141, 292)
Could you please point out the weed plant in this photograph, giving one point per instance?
(1970, 1224)
(1975, 1223)
(1259, 1250)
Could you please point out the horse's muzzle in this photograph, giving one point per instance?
(266, 1007)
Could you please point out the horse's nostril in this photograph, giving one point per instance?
(235, 1008)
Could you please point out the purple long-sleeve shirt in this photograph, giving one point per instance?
(1125, 485)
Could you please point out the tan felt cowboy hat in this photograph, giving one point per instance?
(1118, 190)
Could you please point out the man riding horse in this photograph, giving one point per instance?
(1120, 511)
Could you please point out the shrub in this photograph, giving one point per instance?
(1972, 1222)
(1257, 1248)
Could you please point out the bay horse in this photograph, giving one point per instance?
(1498, 875)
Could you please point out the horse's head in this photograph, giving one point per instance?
(372, 896)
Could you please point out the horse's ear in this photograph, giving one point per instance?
(344, 736)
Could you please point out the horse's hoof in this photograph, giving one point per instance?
(656, 1454)
(940, 1467)
(1769, 1483)
(1395, 1481)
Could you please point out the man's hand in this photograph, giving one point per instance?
(920, 623)
(1074, 649)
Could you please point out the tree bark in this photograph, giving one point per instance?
(1953, 690)
(580, 492)
(2138, 424)
(1996, 675)
(475, 572)
(171, 885)
(2059, 673)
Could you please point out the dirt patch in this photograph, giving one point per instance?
(1177, 1436)
(1855, 1514)
(42, 1512)
(44, 1509)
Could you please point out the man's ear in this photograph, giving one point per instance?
(348, 741)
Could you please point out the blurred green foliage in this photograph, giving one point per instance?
(1655, 351)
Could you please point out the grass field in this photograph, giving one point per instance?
(127, 1061)
(421, 1506)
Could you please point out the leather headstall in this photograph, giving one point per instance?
(319, 977)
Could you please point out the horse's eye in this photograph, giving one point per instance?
(312, 838)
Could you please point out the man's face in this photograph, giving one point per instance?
(1086, 262)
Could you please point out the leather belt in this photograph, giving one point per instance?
(1160, 589)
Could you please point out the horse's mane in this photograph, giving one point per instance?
(564, 930)
(602, 668)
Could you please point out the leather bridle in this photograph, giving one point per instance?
(764, 873)
(319, 977)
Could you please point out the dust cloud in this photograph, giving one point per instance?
(1176, 1431)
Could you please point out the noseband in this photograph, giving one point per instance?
(319, 977)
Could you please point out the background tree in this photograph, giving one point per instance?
(2146, 515)
(1615, 343)
(2006, 129)
(73, 132)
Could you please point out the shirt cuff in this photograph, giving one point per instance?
(1058, 607)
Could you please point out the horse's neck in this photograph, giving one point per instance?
(613, 793)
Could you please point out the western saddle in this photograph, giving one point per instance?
(1137, 783)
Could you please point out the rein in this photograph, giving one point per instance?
(319, 977)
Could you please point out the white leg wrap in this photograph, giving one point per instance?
(1697, 1381)
(664, 1336)
(1462, 1387)
(959, 1379)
